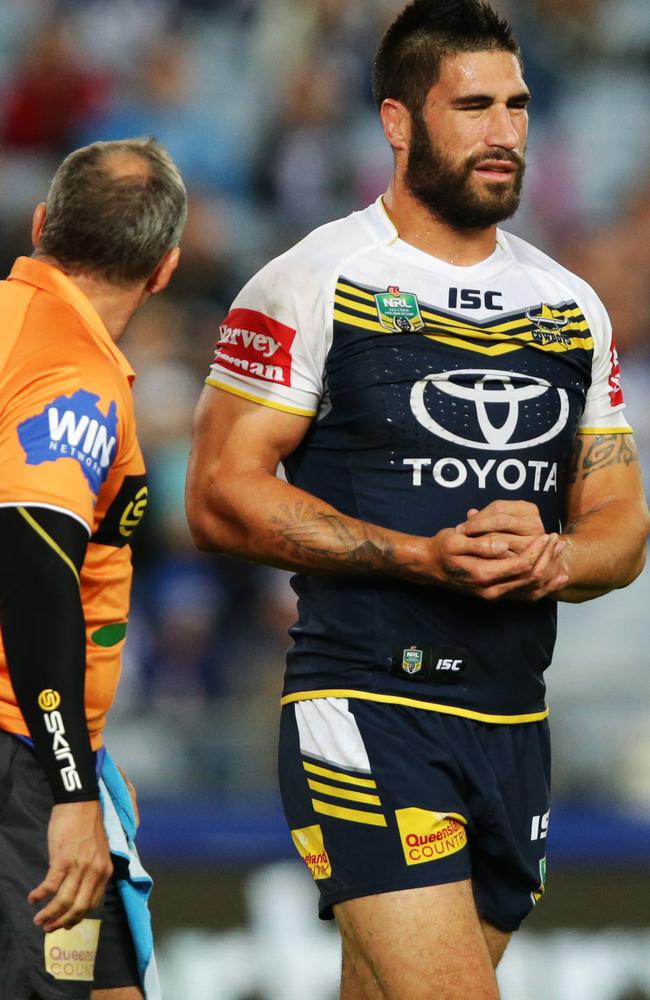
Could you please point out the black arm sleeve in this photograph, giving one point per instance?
(44, 637)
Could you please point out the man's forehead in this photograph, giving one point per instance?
(492, 72)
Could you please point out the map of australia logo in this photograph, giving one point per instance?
(73, 427)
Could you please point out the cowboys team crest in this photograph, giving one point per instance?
(399, 312)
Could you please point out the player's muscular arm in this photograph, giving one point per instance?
(607, 520)
(236, 504)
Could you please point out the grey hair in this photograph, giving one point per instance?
(114, 209)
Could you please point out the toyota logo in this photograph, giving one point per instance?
(488, 394)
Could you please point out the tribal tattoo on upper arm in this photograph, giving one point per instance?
(305, 531)
(589, 455)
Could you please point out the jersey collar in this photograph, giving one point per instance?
(51, 279)
(387, 228)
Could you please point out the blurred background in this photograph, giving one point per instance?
(265, 105)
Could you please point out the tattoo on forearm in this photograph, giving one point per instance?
(304, 531)
(600, 453)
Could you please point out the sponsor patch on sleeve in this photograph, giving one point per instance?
(428, 836)
(73, 427)
(615, 388)
(255, 345)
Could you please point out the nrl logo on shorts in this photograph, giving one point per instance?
(412, 660)
(399, 312)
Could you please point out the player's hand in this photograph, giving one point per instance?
(486, 567)
(518, 524)
(80, 865)
(516, 521)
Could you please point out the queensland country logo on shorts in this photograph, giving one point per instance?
(71, 954)
(429, 836)
(399, 311)
(310, 847)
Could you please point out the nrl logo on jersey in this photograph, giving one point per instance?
(412, 660)
(547, 325)
(399, 311)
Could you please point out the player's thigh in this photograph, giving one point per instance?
(418, 944)
(496, 940)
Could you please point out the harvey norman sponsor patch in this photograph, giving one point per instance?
(70, 955)
(255, 345)
(428, 836)
(310, 847)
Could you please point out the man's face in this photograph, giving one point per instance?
(466, 154)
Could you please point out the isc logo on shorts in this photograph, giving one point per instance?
(310, 847)
(428, 836)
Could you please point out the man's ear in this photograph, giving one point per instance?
(163, 272)
(38, 222)
(396, 122)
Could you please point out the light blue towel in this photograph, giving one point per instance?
(120, 825)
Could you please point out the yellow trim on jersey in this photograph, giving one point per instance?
(343, 793)
(520, 327)
(505, 343)
(358, 321)
(430, 706)
(516, 343)
(353, 815)
(49, 540)
(358, 306)
(342, 287)
(605, 430)
(324, 772)
(256, 399)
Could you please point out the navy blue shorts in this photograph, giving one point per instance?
(381, 797)
(99, 952)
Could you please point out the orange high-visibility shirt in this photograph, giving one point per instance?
(68, 442)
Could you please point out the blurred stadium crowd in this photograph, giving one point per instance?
(265, 105)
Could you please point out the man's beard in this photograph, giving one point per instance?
(446, 190)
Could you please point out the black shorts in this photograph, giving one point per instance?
(381, 797)
(110, 962)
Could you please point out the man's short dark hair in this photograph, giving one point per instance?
(114, 209)
(410, 54)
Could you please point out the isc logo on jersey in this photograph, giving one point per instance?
(73, 427)
(495, 411)
(255, 345)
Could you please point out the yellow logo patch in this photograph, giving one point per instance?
(310, 847)
(71, 954)
(49, 699)
(428, 836)
(133, 513)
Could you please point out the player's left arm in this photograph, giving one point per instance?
(606, 519)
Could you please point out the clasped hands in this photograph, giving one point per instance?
(503, 550)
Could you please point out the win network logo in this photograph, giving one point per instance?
(73, 427)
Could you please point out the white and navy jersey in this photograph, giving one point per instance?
(434, 388)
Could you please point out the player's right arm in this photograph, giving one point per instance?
(44, 641)
(237, 504)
